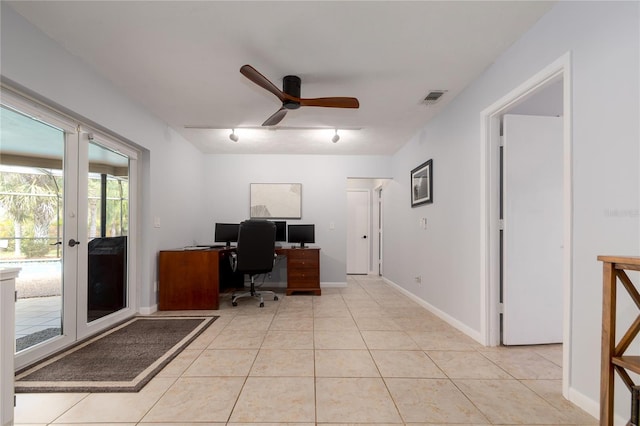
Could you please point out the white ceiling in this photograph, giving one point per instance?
(181, 60)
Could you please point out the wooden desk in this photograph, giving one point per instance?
(191, 279)
(613, 357)
(303, 269)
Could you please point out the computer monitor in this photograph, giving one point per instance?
(301, 234)
(281, 230)
(226, 233)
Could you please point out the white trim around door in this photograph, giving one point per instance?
(490, 208)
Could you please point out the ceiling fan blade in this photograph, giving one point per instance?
(252, 74)
(276, 117)
(331, 102)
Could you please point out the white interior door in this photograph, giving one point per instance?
(358, 232)
(533, 214)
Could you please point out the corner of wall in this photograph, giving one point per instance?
(148, 310)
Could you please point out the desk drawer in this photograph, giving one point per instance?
(303, 264)
(303, 282)
(303, 259)
(307, 275)
(303, 271)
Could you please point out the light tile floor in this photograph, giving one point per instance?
(364, 354)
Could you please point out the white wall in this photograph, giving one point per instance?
(171, 168)
(324, 195)
(603, 39)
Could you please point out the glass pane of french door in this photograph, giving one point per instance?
(31, 223)
(107, 231)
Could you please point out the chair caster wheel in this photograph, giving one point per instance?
(262, 305)
(275, 297)
(234, 303)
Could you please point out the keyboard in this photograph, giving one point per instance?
(204, 247)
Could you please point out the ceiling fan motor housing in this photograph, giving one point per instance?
(290, 95)
(291, 86)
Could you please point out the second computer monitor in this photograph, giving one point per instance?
(281, 230)
(301, 234)
(226, 233)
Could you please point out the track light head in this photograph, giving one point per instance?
(335, 137)
(233, 136)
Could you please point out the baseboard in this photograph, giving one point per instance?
(333, 284)
(589, 405)
(592, 406)
(474, 334)
(148, 310)
(324, 284)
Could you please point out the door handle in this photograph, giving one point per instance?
(73, 242)
(57, 243)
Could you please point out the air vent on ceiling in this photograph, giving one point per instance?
(433, 96)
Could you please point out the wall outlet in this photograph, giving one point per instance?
(418, 279)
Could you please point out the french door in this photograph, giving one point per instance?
(65, 220)
(105, 172)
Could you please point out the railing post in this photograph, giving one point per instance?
(608, 344)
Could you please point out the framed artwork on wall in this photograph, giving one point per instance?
(422, 184)
(276, 201)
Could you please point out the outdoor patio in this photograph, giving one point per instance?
(37, 314)
(39, 304)
(37, 319)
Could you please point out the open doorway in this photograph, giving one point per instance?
(553, 80)
(365, 226)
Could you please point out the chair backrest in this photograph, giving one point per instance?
(256, 246)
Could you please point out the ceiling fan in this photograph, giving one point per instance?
(290, 95)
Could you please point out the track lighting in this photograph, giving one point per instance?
(335, 137)
(233, 135)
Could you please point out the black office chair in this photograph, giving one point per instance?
(255, 255)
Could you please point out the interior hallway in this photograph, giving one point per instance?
(362, 354)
